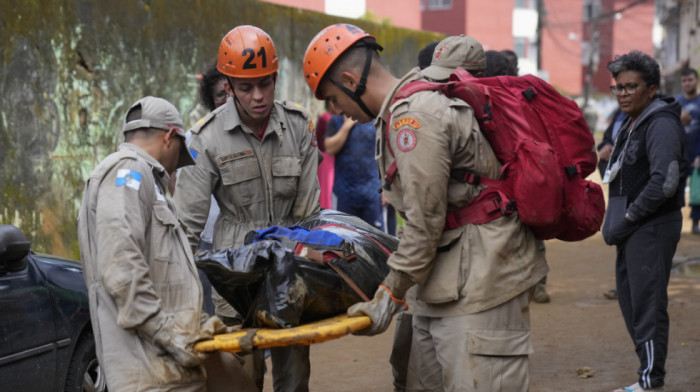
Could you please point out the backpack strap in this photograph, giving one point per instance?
(403, 93)
(391, 171)
(491, 203)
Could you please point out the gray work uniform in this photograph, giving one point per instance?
(473, 282)
(138, 267)
(257, 183)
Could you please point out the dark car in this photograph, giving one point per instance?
(46, 340)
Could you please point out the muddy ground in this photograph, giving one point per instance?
(578, 328)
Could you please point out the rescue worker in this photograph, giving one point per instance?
(145, 297)
(258, 157)
(473, 283)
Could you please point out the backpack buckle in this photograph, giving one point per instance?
(571, 170)
(529, 94)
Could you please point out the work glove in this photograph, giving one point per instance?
(175, 341)
(387, 301)
(215, 326)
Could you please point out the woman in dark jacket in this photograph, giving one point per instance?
(643, 219)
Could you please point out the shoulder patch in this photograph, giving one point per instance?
(408, 121)
(129, 178)
(314, 141)
(199, 125)
(295, 107)
(311, 126)
(406, 140)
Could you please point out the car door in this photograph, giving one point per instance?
(27, 331)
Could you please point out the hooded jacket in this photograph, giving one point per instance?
(653, 156)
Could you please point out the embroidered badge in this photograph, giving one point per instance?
(406, 140)
(314, 141)
(233, 156)
(129, 178)
(410, 121)
(440, 51)
(311, 126)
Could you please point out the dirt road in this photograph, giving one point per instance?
(578, 328)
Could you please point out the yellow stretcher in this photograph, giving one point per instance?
(316, 332)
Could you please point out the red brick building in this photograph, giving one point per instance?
(619, 33)
(564, 27)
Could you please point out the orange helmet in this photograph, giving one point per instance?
(247, 52)
(325, 48)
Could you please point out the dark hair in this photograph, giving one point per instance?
(512, 60)
(425, 56)
(142, 134)
(353, 58)
(689, 71)
(637, 61)
(496, 64)
(210, 77)
(134, 113)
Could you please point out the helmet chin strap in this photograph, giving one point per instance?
(362, 85)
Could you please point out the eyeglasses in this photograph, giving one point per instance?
(630, 88)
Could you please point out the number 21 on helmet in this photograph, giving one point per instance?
(247, 52)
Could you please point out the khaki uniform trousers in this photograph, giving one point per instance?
(482, 352)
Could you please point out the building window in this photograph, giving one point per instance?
(439, 5)
(520, 45)
(590, 9)
(526, 4)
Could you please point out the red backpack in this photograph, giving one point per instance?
(545, 148)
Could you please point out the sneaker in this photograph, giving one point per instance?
(540, 296)
(638, 388)
(611, 294)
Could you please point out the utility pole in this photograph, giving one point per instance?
(592, 53)
(540, 24)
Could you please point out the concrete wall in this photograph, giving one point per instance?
(69, 70)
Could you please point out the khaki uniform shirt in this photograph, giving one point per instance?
(138, 266)
(257, 183)
(471, 268)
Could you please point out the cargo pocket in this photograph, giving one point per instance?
(445, 280)
(162, 234)
(499, 342)
(168, 270)
(165, 232)
(242, 180)
(285, 173)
